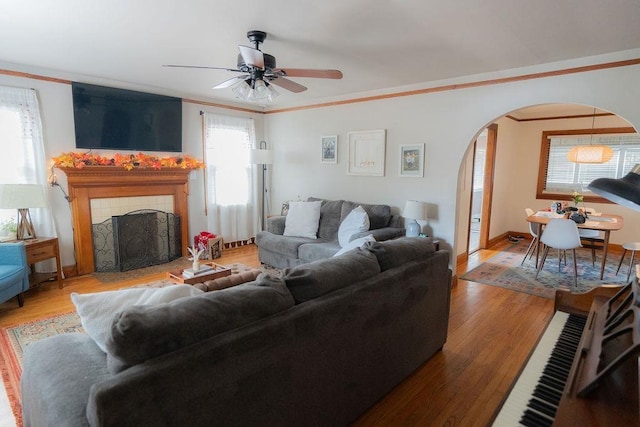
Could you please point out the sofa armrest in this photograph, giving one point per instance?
(13, 254)
(275, 224)
(381, 234)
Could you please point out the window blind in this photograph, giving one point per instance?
(564, 176)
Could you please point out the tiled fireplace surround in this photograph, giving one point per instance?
(92, 187)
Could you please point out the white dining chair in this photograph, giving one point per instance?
(560, 234)
(534, 235)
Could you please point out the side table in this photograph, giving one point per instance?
(42, 249)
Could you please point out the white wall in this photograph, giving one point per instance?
(447, 121)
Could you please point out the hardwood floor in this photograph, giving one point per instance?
(491, 333)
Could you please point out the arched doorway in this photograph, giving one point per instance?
(515, 185)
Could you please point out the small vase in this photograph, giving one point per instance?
(196, 265)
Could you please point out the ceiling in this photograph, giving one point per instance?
(377, 45)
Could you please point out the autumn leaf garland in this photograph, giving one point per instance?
(126, 161)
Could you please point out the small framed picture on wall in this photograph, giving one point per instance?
(412, 160)
(329, 146)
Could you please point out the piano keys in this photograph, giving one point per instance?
(535, 397)
(588, 376)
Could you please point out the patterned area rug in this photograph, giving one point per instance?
(13, 341)
(504, 270)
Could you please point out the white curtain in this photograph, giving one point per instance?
(23, 152)
(231, 180)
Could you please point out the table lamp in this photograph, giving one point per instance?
(22, 197)
(417, 211)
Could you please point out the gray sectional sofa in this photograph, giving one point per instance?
(281, 251)
(317, 347)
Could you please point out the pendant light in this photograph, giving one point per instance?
(591, 153)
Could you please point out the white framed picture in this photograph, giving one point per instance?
(329, 149)
(367, 152)
(412, 160)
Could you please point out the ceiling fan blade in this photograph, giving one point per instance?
(288, 84)
(201, 67)
(252, 57)
(304, 72)
(230, 82)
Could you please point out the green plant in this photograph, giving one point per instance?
(9, 226)
(577, 198)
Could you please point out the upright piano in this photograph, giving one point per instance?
(584, 369)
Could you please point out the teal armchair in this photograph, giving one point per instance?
(14, 271)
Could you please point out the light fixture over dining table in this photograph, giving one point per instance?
(590, 153)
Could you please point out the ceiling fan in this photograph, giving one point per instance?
(259, 71)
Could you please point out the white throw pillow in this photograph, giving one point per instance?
(302, 219)
(356, 222)
(356, 244)
(97, 310)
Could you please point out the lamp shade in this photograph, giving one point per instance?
(260, 157)
(21, 196)
(415, 210)
(590, 154)
(624, 191)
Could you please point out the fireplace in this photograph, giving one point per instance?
(135, 240)
(103, 182)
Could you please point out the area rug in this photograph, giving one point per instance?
(13, 341)
(504, 270)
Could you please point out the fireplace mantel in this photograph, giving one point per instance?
(102, 182)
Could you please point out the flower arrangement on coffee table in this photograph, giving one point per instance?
(126, 161)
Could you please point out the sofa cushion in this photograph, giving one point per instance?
(330, 217)
(355, 244)
(309, 281)
(356, 221)
(316, 250)
(302, 219)
(97, 310)
(144, 332)
(379, 215)
(283, 245)
(394, 253)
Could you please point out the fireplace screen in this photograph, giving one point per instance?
(135, 240)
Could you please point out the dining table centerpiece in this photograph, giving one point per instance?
(577, 198)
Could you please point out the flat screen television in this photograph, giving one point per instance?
(120, 119)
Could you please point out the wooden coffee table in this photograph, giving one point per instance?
(218, 271)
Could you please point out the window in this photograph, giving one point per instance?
(230, 179)
(559, 177)
(23, 150)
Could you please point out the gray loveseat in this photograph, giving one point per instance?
(343, 332)
(281, 251)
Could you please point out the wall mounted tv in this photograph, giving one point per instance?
(119, 119)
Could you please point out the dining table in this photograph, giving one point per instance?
(606, 223)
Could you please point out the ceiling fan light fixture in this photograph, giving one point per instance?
(242, 90)
(256, 90)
